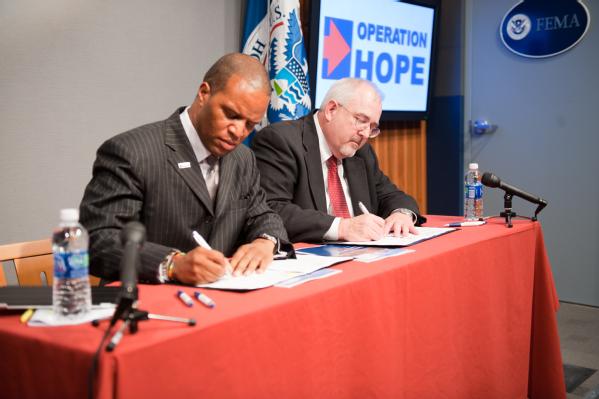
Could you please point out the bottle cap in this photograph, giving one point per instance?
(473, 166)
(69, 215)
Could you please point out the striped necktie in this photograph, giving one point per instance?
(211, 176)
(336, 190)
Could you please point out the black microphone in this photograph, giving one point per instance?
(133, 236)
(490, 180)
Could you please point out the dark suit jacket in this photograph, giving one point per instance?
(137, 176)
(288, 157)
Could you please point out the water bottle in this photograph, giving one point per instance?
(473, 194)
(71, 294)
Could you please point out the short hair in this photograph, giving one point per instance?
(346, 89)
(242, 65)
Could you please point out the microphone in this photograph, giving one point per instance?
(133, 236)
(490, 180)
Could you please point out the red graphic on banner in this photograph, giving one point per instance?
(335, 47)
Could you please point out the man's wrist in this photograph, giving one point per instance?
(166, 269)
(274, 240)
(407, 211)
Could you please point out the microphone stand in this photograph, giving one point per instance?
(127, 312)
(507, 213)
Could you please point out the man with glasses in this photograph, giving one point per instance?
(323, 178)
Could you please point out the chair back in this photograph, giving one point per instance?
(32, 261)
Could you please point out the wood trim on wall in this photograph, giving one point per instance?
(401, 149)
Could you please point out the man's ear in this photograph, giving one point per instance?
(330, 109)
(204, 92)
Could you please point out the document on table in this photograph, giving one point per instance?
(360, 253)
(278, 271)
(425, 233)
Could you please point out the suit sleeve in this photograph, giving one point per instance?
(279, 164)
(114, 197)
(389, 197)
(260, 217)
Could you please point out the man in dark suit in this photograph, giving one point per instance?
(188, 173)
(323, 178)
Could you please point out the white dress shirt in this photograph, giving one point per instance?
(210, 172)
(332, 233)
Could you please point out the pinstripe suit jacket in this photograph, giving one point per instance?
(288, 156)
(137, 176)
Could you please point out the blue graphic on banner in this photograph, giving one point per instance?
(537, 29)
(288, 71)
(272, 34)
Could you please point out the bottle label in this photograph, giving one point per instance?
(474, 191)
(71, 264)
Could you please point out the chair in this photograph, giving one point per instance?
(33, 263)
(2, 277)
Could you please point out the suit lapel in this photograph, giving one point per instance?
(313, 164)
(182, 158)
(355, 173)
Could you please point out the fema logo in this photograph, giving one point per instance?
(538, 29)
(518, 26)
(337, 48)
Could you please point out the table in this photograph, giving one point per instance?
(468, 315)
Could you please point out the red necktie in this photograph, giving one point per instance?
(336, 190)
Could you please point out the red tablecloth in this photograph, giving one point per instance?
(468, 315)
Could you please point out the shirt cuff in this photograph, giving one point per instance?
(332, 233)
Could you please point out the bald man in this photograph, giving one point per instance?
(184, 174)
(323, 178)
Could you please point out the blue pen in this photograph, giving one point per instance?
(466, 224)
(204, 299)
(186, 299)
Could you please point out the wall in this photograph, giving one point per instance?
(74, 73)
(546, 141)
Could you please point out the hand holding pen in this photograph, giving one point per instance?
(204, 244)
(200, 265)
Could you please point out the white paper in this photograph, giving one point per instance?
(46, 317)
(425, 233)
(323, 273)
(278, 271)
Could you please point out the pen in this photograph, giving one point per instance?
(204, 244)
(204, 299)
(26, 315)
(466, 224)
(363, 208)
(186, 299)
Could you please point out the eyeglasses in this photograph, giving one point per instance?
(362, 123)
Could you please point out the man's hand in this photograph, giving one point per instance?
(367, 227)
(400, 224)
(253, 257)
(199, 266)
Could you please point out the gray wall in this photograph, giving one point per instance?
(74, 73)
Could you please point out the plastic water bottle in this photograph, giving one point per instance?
(71, 294)
(473, 194)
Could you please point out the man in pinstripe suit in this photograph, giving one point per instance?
(323, 178)
(188, 173)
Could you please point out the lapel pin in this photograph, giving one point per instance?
(184, 165)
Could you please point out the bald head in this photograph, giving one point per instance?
(247, 68)
(348, 89)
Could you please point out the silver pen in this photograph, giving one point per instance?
(363, 208)
(204, 244)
